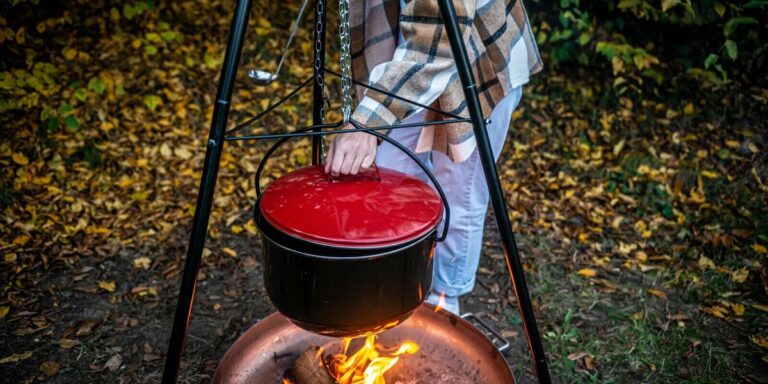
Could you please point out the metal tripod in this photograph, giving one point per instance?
(218, 135)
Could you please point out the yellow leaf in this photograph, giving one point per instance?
(165, 150)
(250, 226)
(21, 240)
(658, 293)
(716, 311)
(68, 343)
(641, 256)
(4, 311)
(19, 158)
(16, 357)
(583, 237)
(69, 53)
(108, 286)
(688, 109)
(236, 229)
(732, 143)
(709, 174)
(761, 307)
(10, 257)
(617, 222)
(760, 340)
(142, 262)
(182, 153)
(759, 248)
(740, 275)
(229, 251)
(738, 309)
(706, 263)
(587, 272)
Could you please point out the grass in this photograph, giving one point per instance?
(630, 336)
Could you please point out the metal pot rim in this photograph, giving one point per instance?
(373, 256)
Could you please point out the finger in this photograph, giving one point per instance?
(338, 160)
(349, 160)
(368, 161)
(356, 164)
(329, 158)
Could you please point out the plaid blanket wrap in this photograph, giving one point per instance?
(500, 45)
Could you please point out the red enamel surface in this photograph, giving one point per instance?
(361, 211)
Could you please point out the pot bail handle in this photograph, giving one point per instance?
(432, 178)
(427, 172)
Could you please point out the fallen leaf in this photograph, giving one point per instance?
(760, 307)
(229, 251)
(108, 286)
(19, 158)
(587, 272)
(658, 293)
(738, 309)
(577, 355)
(50, 368)
(114, 362)
(706, 263)
(16, 357)
(68, 343)
(4, 311)
(759, 248)
(760, 340)
(142, 262)
(182, 153)
(740, 275)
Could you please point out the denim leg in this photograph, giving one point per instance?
(457, 258)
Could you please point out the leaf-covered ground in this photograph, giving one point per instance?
(642, 222)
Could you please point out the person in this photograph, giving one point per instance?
(402, 47)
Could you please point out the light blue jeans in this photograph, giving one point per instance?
(457, 258)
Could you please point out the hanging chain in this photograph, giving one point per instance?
(320, 78)
(346, 60)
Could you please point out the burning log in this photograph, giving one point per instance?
(310, 368)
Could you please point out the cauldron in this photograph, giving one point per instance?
(350, 255)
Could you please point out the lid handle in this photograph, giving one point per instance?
(371, 173)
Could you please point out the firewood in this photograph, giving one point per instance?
(309, 368)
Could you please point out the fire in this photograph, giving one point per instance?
(441, 302)
(368, 364)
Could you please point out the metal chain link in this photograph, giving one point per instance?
(346, 60)
(319, 9)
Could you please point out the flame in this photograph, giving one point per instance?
(287, 381)
(368, 364)
(441, 302)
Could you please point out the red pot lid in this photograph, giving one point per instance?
(365, 210)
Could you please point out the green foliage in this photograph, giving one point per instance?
(647, 43)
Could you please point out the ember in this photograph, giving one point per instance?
(368, 364)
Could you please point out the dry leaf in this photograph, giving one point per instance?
(142, 262)
(19, 159)
(658, 293)
(229, 251)
(740, 275)
(761, 307)
(4, 311)
(16, 357)
(760, 340)
(759, 248)
(50, 368)
(114, 362)
(68, 343)
(587, 272)
(108, 286)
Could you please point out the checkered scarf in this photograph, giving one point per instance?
(422, 69)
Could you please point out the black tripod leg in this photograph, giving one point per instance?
(494, 187)
(205, 193)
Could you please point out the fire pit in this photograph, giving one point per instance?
(450, 351)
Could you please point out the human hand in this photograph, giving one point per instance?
(350, 152)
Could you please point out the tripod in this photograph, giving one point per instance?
(218, 135)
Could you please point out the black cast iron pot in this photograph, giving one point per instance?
(343, 290)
